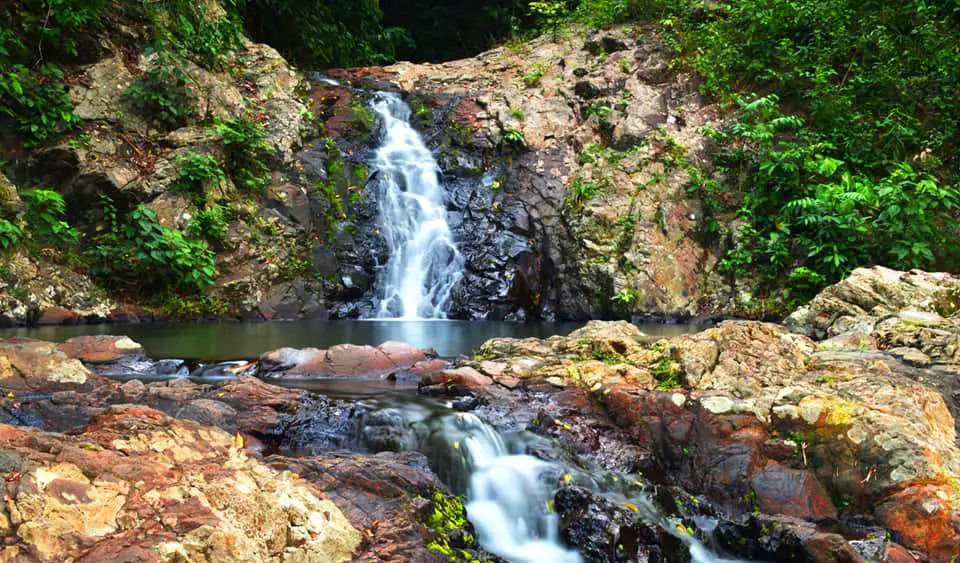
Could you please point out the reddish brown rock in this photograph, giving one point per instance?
(382, 495)
(791, 492)
(464, 376)
(402, 354)
(139, 484)
(924, 519)
(35, 365)
(352, 360)
(58, 316)
(101, 349)
(344, 360)
(429, 366)
(776, 422)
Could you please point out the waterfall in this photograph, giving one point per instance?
(424, 263)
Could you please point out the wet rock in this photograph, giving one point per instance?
(791, 492)
(138, 484)
(465, 378)
(603, 531)
(382, 495)
(319, 425)
(344, 360)
(222, 371)
(102, 349)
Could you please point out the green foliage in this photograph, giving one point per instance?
(140, 252)
(247, 151)
(581, 191)
(626, 296)
(164, 92)
(551, 13)
(667, 373)
(36, 101)
(196, 174)
(44, 212)
(211, 223)
(34, 36)
(535, 75)
(603, 13)
(10, 234)
(42, 29)
(878, 80)
(809, 218)
(448, 521)
(514, 136)
(326, 33)
(190, 27)
(362, 119)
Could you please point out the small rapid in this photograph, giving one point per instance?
(424, 263)
(510, 494)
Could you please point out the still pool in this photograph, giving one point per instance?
(240, 341)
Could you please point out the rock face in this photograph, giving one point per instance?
(555, 226)
(785, 428)
(138, 485)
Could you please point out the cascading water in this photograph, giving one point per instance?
(424, 262)
(509, 495)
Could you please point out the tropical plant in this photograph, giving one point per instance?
(247, 150)
(140, 252)
(44, 212)
(165, 91)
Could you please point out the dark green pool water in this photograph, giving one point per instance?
(231, 341)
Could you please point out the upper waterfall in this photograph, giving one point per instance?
(424, 263)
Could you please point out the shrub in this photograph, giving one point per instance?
(247, 151)
(207, 40)
(196, 174)
(211, 223)
(141, 252)
(325, 33)
(36, 101)
(44, 211)
(808, 218)
(164, 92)
(10, 234)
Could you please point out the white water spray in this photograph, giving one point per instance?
(508, 496)
(424, 262)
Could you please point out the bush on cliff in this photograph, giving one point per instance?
(138, 254)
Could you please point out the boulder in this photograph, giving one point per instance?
(343, 360)
(868, 295)
(603, 531)
(101, 349)
(38, 366)
(137, 484)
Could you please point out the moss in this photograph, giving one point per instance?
(948, 303)
(362, 119)
(667, 373)
(447, 518)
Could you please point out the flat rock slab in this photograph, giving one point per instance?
(343, 360)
